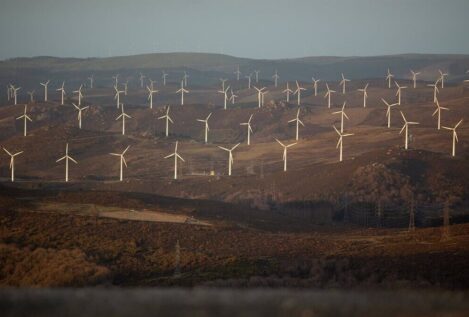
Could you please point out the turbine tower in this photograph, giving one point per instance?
(249, 80)
(185, 78)
(230, 156)
(45, 89)
(405, 128)
(123, 115)
(66, 158)
(365, 94)
(79, 113)
(257, 75)
(91, 79)
(436, 91)
(442, 78)
(168, 119)
(438, 111)
(223, 81)
(285, 151)
(26, 118)
(176, 157)
(122, 162)
(455, 136)
(12, 162)
(62, 93)
(259, 95)
(182, 91)
(298, 92)
(275, 77)
(206, 126)
(232, 97)
(388, 111)
(80, 95)
(399, 92)
(298, 122)
(328, 95)
(389, 78)
(15, 93)
(343, 82)
(116, 80)
(288, 91)
(31, 95)
(315, 85)
(141, 77)
(117, 96)
(225, 96)
(340, 143)
(414, 78)
(342, 116)
(151, 91)
(248, 125)
(164, 77)
(238, 73)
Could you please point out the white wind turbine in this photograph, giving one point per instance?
(31, 96)
(298, 122)
(79, 113)
(275, 77)
(285, 151)
(414, 78)
(182, 90)
(66, 158)
(168, 119)
(248, 125)
(340, 143)
(225, 96)
(230, 156)
(116, 80)
(117, 96)
(9, 91)
(176, 157)
(62, 93)
(12, 162)
(15, 93)
(123, 115)
(343, 82)
(122, 162)
(80, 94)
(389, 78)
(315, 85)
(257, 75)
(388, 111)
(249, 80)
(232, 97)
(126, 86)
(164, 77)
(436, 91)
(151, 91)
(288, 91)
(238, 73)
(455, 136)
(26, 118)
(263, 93)
(365, 94)
(328, 95)
(142, 78)
(399, 92)
(405, 128)
(259, 95)
(45, 89)
(91, 79)
(206, 126)
(342, 116)
(298, 92)
(223, 81)
(185, 78)
(438, 111)
(442, 78)
(152, 83)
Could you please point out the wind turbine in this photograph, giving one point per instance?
(126, 85)
(176, 157)
(342, 116)
(365, 94)
(288, 91)
(45, 89)
(257, 75)
(343, 82)
(298, 122)
(438, 111)
(414, 78)
(248, 124)
(249, 80)
(285, 151)
(91, 79)
(436, 91)
(206, 126)
(315, 85)
(399, 92)
(389, 78)
(225, 95)
(152, 82)
(79, 113)
(117, 96)
(80, 95)
(259, 95)
(151, 91)
(116, 80)
(122, 162)
(275, 77)
(31, 96)
(141, 77)
(455, 136)
(340, 143)
(232, 97)
(15, 93)
(388, 112)
(164, 77)
(223, 80)
(12, 162)
(298, 92)
(328, 95)
(182, 91)
(238, 73)
(230, 157)
(185, 78)
(263, 93)
(442, 78)
(66, 158)
(9, 91)
(62, 93)
(123, 115)
(168, 119)
(406, 128)
(26, 118)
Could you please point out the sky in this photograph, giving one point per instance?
(245, 28)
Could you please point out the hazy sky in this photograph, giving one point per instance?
(246, 28)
